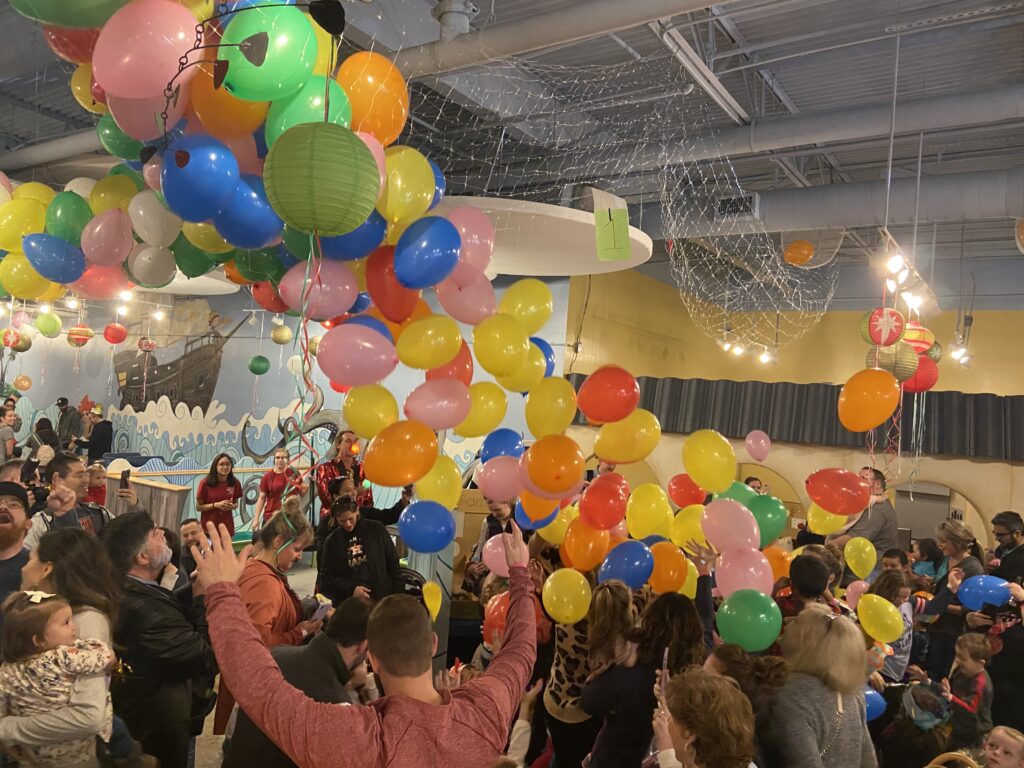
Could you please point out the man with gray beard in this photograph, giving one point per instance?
(164, 645)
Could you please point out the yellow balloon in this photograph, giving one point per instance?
(359, 270)
(326, 50)
(19, 279)
(409, 188)
(33, 190)
(823, 522)
(19, 218)
(486, 411)
(203, 236)
(429, 343)
(395, 230)
(566, 596)
(529, 376)
(53, 292)
(689, 588)
(861, 557)
(369, 410)
(501, 344)
(432, 598)
(629, 440)
(443, 483)
(550, 407)
(648, 512)
(879, 618)
(686, 526)
(554, 532)
(112, 192)
(81, 89)
(530, 302)
(709, 460)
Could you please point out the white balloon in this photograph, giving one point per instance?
(5, 195)
(152, 222)
(150, 266)
(295, 365)
(81, 186)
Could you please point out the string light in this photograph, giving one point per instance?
(72, 303)
(122, 310)
(158, 315)
(766, 356)
(737, 350)
(44, 309)
(125, 295)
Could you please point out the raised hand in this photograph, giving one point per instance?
(219, 563)
(517, 555)
(956, 577)
(703, 556)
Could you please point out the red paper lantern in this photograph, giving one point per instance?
(79, 335)
(11, 338)
(115, 333)
(926, 377)
(882, 326)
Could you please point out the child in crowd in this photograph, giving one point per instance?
(927, 563)
(96, 493)
(808, 582)
(1004, 748)
(892, 585)
(896, 559)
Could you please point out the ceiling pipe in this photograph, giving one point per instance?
(51, 151)
(949, 197)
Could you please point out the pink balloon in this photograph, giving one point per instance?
(107, 239)
(758, 444)
(494, 556)
(331, 290)
(97, 92)
(440, 403)
(101, 283)
(744, 569)
(151, 172)
(620, 531)
(377, 150)
(6, 182)
(354, 355)
(728, 524)
(854, 591)
(19, 318)
(477, 233)
(499, 478)
(471, 303)
(244, 149)
(141, 118)
(137, 52)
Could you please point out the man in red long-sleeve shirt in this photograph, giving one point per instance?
(414, 726)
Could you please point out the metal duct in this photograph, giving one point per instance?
(51, 151)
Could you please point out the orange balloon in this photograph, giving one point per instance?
(400, 454)
(231, 273)
(586, 546)
(221, 114)
(779, 561)
(555, 464)
(378, 94)
(867, 399)
(670, 568)
(536, 507)
(563, 556)
(798, 252)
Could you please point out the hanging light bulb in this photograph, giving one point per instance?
(125, 295)
(725, 345)
(44, 309)
(737, 350)
(158, 315)
(122, 310)
(966, 359)
(72, 303)
(913, 300)
(894, 263)
(766, 356)
(958, 351)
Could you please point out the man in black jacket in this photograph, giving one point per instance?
(358, 558)
(322, 670)
(163, 646)
(1007, 666)
(100, 439)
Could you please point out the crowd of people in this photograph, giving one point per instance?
(120, 639)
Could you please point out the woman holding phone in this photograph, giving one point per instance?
(219, 493)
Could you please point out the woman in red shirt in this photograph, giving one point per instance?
(280, 480)
(219, 493)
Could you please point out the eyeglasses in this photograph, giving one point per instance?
(999, 535)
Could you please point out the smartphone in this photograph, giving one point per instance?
(125, 477)
(28, 471)
(321, 612)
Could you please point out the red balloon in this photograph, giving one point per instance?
(684, 492)
(460, 368)
(926, 376)
(115, 333)
(609, 394)
(839, 491)
(266, 296)
(342, 388)
(395, 301)
(97, 92)
(101, 283)
(71, 44)
(603, 504)
(495, 616)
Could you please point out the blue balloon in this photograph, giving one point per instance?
(978, 591)
(427, 252)
(547, 351)
(135, 165)
(285, 257)
(358, 243)
(426, 526)
(653, 539)
(875, 702)
(231, 7)
(630, 562)
(362, 303)
(440, 184)
(502, 442)
(374, 323)
(249, 221)
(199, 177)
(53, 257)
(261, 141)
(523, 520)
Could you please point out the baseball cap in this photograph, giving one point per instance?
(61, 402)
(15, 490)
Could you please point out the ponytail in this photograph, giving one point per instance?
(976, 550)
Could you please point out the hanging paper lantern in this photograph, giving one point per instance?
(798, 253)
(900, 360)
(146, 344)
(258, 365)
(321, 177)
(79, 335)
(314, 345)
(935, 352)
(24, 343)
(11, 337)
(281, 334)
(115, 333)
(925, 378)
(919, 337)
(882, 326)
(22, 383)
(48, 324)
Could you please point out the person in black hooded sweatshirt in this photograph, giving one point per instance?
(358, 558)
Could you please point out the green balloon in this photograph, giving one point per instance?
(48, 324)
(299, 244)
(65, 13)
(740, 492)
(259, 365)
(259, 265)
(307, 106)
(116, 141)
(771, 515)
(123, 169)
(66, 217)
(191, 261)
(290, 56)
(750, 619)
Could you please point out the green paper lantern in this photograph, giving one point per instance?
(307, 106)
(750, 619)
(258, 365)
(48, 324)
(191, 261)
(900, 360)
(66, 217)
(290, 53)
(935, 352)
(69, 13)
(116, 141)
(259, 265)
(771, 515)
(321, 177)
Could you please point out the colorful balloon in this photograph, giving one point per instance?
(554, 532)
(400, 454)
(486, 412)
(609, 394)
(554, 463)
(867, 399)
(440, 404)
(550, 407)
(498, 478)
(199, 177)
(378, 94)
(221, 114)
(432, 598)
(529, 301)
(861, 557)
(879, 618)
(566, 595)
(54, 258)
(629, 440)
(648, 512)
(291, 51)
(670, 569)
(586, 546)
(687, 526)
(19, 279)
(477, 234)
(684, 492)
(308, 105)
(771, 515)
(501, 442)
(471, 302)
(110, 193)
(749, 619)
(822, 522)
(426, 526)
(369, 409)
(70, 43)
(604, 502)
(527, 377)
(978, 591)
(20, 217)
(429, 343)
(409, 187)
(501, 345)
(66, 217)
(743, 569)
(395, 301)
(631, 562)
(356, 355)
(460, 368)
(443, 484)
(758, 445)
(740, 492)
(152, 222)
(319, 289)
(728, 524)
(839, 491)
(854, 592)
(427, 252)
(248, 220)
(710, 460)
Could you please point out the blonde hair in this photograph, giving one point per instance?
(827, 646)
(1010, 733)
(959, 535)
(96, 470)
